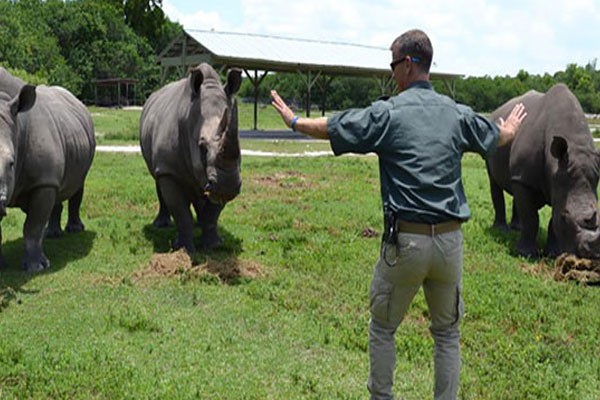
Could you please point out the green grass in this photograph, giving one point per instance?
(87, 329)
(121, 126)
(118, 126)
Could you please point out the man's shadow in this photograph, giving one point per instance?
(60, 251)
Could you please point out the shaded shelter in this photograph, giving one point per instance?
(318, 62)
(114, 92)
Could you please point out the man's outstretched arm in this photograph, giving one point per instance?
(315, 127)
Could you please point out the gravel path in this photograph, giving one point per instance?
(257, 153)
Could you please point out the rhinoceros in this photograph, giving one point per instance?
(552, 161)
(189, 140)
(47, 145)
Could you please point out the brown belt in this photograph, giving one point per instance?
(427, 229)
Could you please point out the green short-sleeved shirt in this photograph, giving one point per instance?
(420, 137)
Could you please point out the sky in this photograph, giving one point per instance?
(470, 37)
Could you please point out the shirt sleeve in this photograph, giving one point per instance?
(479, 133)
(359, 130)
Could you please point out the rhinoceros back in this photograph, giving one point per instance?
(56, 144)
(527, 159)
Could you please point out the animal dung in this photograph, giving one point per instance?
(570, 267)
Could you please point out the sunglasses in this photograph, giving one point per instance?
(401, 60)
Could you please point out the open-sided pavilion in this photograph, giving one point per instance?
(318, 62)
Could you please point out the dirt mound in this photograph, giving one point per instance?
(179, 264)
(571, 267)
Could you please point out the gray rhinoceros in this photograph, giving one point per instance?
(552, 161)
(47, 144)
(189, 140)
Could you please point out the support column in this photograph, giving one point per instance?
(451, 86)
(310, 81)
(256, 81)
(324, 86)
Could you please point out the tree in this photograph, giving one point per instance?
(148, 20)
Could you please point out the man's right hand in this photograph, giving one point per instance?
(286, 113)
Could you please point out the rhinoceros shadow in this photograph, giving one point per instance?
(60, 252)
(161, 239)
(509, 238)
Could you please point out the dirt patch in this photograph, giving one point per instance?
(286, 180)
(571, 267)
(539, 269)
(179, 264)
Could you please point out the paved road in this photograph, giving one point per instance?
(273, 135)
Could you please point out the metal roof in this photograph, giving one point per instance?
(280, 54)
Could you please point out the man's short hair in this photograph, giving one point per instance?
(414, 43)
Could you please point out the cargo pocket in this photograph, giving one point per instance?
(460, 307)
(379, 302)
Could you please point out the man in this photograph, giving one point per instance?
(419, 137)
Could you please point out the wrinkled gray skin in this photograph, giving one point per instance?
(189, 139)
(47, 145)
(552, 161)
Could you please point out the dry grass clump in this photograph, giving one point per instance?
(179, 264)
(571, 267)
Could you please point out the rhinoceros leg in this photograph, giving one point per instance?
(515, 222)
(74, 223)
(552, 249)
(38, 211)
(178, 204)
(498, 203)
(54, 230)
(527, 210)
(198, 205)
(163, 219)
(208, 217)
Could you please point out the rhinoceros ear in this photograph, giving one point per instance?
(196, 79)
(234, 81)
(559, 147)
(24, 101)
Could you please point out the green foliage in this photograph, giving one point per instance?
(73, 43)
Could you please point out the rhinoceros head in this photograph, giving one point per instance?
(218, 137)
(9, 109)
(575, 218)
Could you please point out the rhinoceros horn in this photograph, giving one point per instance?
(230, 144)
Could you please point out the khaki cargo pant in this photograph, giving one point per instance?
(434, 262)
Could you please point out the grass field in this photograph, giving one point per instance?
(121, 126)
(90, 327)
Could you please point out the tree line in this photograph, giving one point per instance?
(72, 43)
(483, 94)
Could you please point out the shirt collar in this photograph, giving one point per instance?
(420, 85)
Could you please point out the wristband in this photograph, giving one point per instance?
(293, 124)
